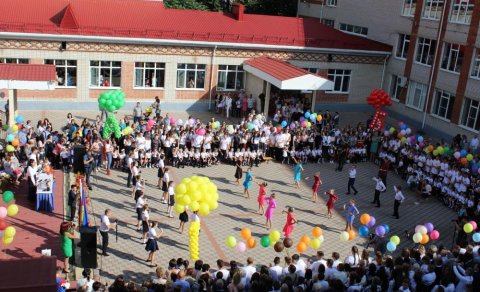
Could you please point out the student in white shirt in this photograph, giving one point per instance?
(171, 198)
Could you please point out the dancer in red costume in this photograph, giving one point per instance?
(331, 201)
(291, 221)
(316, 185)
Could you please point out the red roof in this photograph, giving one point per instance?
(276, 68)
(150, 19)
(27, 72)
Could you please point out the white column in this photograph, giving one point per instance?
(267, 99)
(314, 98)
(12, 102)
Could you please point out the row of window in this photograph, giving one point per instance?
(452, 58)
(460, 12)
(152, 75)
(442, 103)
(354, 29)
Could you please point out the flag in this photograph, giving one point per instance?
(83, 214)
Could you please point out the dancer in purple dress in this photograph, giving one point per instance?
(270, 209)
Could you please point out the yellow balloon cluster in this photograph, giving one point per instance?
(193, 234)
(198, 193)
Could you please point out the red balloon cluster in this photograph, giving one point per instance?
(377, 99)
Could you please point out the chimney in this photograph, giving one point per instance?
(237, 11)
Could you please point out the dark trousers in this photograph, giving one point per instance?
(396, 205)
(73, 210)
(87, 176)
(383, 177)
(104, 241)
(32, 191)
(340, 164)
(129, 178)
(376, 199)
(351, 182)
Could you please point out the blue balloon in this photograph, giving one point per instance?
(391, 246)
(19, 120)
(23, 140)
(403, 127)
(284, 124)
(363, 231)
(476, 237)
(387, 228)
(307, 115)
(463, 153)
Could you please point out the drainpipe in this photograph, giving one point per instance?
(383, 72)
(321, 11)
(430, 80)
(211, 78)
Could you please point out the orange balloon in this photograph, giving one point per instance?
(464, 161)
(425, 239)
(305, 239)
(317, 232)
(246, 233)
(251, 242)
(15, 142)
(365, 218)
(301, 247)
(351, 235)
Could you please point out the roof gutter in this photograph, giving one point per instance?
(145, 41)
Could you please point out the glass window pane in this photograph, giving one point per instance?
(231, 80)
(222, 78)
(94, 63)
(116, 77)
(138, 77)
(190, 66)
(94, 77)
(200, 79)
(105, 63)
(240, 81)
(72, 62)
(181, 66)
(71, 76)
(200, 67)
(139, 64)
(47, 62)
(159, 80)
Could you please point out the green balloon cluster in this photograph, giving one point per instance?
(111, 100)
(111, 126)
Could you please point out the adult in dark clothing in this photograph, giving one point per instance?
(262, 101)
(73, 197)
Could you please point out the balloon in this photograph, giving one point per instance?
(434, 235)
(387, 228)
(7, 240)
(475, 236)
(231, 241)
(456, 155)
(7, 196)
(365, 218)
(265, 241)
(301, 247)
(3, 212)
(3, 224)
(12, 210)
(240, 247)
(468, 228)
(288, 242)
(463, 153)
(180, 189)
(305, 239)
(363, 231)
(395, 239)
(250, 126)
(302, 119)
(10, 231)
(204, 209)
(372, 222)
(417, 237)
(317, 231)
(421, 229)
(429, 227)
(292, 126)
(251, 242)
(303, 124)
(307, 114)
(246, 233)
(10, 137)
(351, 235)
(425, 239)
(408, 131)
(469, 157)
(274, 235)
(380, 230)
(19, 120)
(315, 243)
(14, 128)
(319, 118)
(284, 124)
(391, 246)
(474, 224)
(420, 139)
(279, 247)
(185, 200)
(179, 208)
(321, 238)
(10, 148)
(344, 236)
(392, 129)
(309, 125)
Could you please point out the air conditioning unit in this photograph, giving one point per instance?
(402, 81)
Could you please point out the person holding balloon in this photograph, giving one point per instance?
(272, 204)
(248, 182)
(351, 212)
(291, 221)
(316, 185)
(332, 198)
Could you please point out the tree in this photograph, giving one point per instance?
(185, 4)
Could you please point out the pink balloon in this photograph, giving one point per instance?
(3, 212)
(151, 122)
(240, 247)
(201, 132)
(434, 235)
(474, 224)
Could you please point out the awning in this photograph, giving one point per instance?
(284, 75)
(27, 76)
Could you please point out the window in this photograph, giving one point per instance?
(332, 3)
(105, 73)
(471, 108)
(230, 77)
(190, 76)
(14, 60)
(341, 78)
(396, 86)
(311, 70)
(443, 104)
(453, 57)
(328, 22)
(66, 71)
(355, 29)
(462, 11)
(409, 7)
(476, 65)
(148, 74)
(403, 45)
(433, 9)
(425, 51)
(416, 95)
